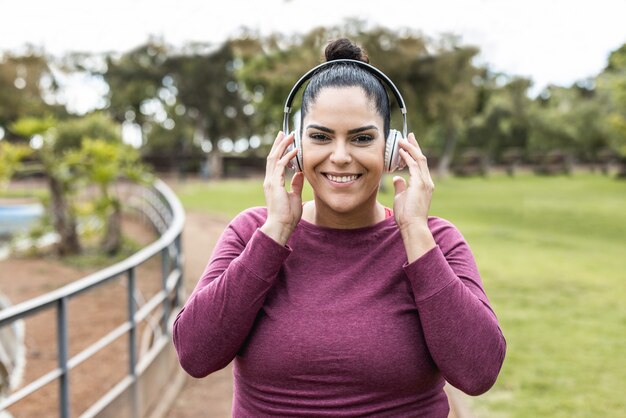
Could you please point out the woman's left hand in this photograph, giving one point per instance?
(412, 201)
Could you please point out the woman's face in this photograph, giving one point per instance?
(343, 149)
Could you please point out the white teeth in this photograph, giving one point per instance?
(342, 179)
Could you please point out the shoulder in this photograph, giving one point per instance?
(445, 233)
(247, 221)
(252, 216)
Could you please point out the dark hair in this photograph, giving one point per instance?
(347, 74)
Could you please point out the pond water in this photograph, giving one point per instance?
(18, 218)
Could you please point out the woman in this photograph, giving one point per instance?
(340, 306)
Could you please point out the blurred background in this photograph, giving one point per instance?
(520, 108)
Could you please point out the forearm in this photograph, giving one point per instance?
(215, 321)
(464, 338)
(461, 330)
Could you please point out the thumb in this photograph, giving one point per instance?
(297, 183)
(399, 184)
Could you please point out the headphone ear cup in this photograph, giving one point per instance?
(393, 161)
(296, 162)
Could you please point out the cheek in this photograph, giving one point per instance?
(311, 157)
(376, 159)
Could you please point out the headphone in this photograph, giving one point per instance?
(392, 156)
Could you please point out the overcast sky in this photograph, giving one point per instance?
(552, 41)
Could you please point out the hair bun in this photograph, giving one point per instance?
(345, 49)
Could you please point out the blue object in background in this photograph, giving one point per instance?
(19, 218)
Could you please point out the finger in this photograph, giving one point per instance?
(277, 140)
(283, 145)
(411, 146)
(297, 183)
(270, 156)
(278, 151)
(413, 141)
(399, 185)
(414, 170)
(277, 171)
(422, 162)
(284, 160)
(416, 153)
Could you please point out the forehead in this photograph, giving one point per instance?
(338, 104)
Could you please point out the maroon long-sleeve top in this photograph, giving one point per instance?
(336, 323)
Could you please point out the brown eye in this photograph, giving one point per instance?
(363, 139)
(318, 137)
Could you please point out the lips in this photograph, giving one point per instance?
(341, 178)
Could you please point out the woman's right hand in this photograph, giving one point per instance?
(284, 209)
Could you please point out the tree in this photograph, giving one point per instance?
(102, 162)
(10, 158)
(61, 184)
(27, 87)
(611, 86)
(448, 95)
(77, 153)
(501, 123)
(568, 119)
(135, 79)
(204, 82)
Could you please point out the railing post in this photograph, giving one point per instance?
(132, 342)
(62, 342)
(179, 265)
(165, 269)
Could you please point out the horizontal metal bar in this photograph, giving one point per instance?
(25, 308)
(172, 280)
(107, 398)
(151, 305)
(159, 297)
(30, 388)
(98, 345)
(152, 352)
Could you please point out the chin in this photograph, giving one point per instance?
(348, 203)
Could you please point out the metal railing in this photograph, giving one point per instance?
(166, 214)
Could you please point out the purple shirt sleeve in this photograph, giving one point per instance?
(460, 328)
(221, 310)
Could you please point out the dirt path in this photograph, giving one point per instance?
(211, 397)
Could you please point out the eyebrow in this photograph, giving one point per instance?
(351, 131)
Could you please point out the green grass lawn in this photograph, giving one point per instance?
(552, 254)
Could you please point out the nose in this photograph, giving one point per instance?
(341, 153)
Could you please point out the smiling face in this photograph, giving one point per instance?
(342, 151)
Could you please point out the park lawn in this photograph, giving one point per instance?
(552, 255)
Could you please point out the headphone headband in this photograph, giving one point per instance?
(370, 68)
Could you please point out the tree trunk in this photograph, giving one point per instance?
(112, 241)
(443, 169)
(621, 169)
(63, 221)
(215, 163)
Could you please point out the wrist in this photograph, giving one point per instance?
(418, 240)
(277, 232)
(413, 229)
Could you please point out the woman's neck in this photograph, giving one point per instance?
(316, 212)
